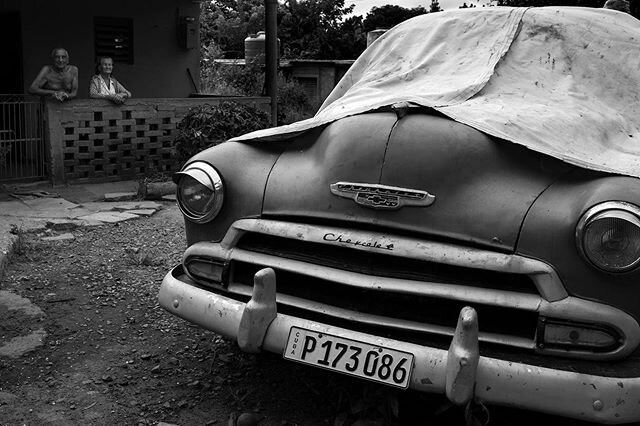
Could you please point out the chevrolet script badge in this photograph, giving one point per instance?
(382, 196)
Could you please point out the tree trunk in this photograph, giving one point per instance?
(155, 190)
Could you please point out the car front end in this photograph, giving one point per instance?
(417, 252)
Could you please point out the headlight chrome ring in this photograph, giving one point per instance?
(608, 236)
(200, 192)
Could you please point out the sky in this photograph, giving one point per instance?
(364, 6)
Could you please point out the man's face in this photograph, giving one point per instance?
(60, 58)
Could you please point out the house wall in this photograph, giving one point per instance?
(160, 64)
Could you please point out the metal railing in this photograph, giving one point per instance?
(22, 146)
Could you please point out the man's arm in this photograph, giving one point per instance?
(40, 80)
(74, 82)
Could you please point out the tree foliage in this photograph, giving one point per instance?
(307, 29)
(388, 16)
(314, 29)
(434, 6)
(320, 29)
(226, 23)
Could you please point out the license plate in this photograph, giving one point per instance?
(349, 356)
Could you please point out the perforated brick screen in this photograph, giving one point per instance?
(95, 140)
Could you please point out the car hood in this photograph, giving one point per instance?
(483, 187)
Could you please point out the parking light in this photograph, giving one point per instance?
(206, 271)
(557, 334)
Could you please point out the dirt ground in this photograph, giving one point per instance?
(111, 356)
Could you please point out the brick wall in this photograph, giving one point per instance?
(95, 140)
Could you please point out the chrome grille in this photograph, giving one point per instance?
(402, 287)
(382, 311)
(418, 309)
(381, 265)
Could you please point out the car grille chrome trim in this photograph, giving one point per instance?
(528, 302)
(512, 311)
(377, 320)
(543, 275)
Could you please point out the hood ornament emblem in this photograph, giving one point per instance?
(382, 197)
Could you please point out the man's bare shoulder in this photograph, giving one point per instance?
(73, 69)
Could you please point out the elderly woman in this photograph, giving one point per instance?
(103, 86)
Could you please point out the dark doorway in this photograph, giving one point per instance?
(11, 47)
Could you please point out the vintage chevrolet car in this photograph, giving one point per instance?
(462, 216)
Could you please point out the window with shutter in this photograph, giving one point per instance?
(113, 37)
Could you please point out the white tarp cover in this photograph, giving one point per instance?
(563, 81)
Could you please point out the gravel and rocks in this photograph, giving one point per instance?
(111, 356)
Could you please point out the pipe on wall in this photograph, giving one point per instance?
(271, 56)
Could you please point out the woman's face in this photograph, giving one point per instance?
(106, 65)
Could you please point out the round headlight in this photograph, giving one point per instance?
(608, 235)
(200, 192)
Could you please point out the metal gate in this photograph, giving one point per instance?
(22, 147)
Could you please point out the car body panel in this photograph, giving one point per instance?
(559, 209)
(482, 175)
(483, 186)
(231, 159)
(351, 149)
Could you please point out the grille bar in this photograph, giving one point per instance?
(469, 294)
(356, 303)
(378, 320)
(545, 279)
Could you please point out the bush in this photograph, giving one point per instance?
(225, 79)
(207, 125)
(233, 80)
(293, 102)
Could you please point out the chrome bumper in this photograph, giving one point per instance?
(460, 372)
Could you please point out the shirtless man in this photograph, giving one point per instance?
(60, 80)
